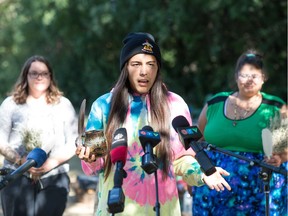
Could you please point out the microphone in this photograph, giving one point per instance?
(118, 156)
(189, 135)
(149, 139)
(35, 158)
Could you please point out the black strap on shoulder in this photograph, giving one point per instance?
(272, 102)
(216, 100)
(264, 101)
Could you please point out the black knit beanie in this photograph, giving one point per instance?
(139, 42)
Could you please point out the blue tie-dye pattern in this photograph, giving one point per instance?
(142, 176)
(247, 196)
(136, 107)
(98, 115)
(138, 114)
(96, 124)
(133, 168)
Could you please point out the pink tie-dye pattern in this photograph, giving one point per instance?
(92, 168)
(140, 186)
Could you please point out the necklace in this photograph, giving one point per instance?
(241, 113)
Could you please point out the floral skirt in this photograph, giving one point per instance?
(247, 196)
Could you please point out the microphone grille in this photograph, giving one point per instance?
(38, 155)
(119, 146)
(119, 138)
(147, 128)
(180, 121)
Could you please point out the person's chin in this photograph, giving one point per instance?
(44, 89)
(142, 90)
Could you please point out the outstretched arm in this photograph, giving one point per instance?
(216, 180)
(189, 169)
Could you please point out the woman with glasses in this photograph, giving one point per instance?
(234, 121)
(36, 114)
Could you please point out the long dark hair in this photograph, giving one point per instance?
(20, 90)
(160, 116)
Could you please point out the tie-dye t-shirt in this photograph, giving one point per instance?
(138, 186)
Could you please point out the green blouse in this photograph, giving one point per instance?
(245, 135)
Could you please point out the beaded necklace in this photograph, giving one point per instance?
(238, 111)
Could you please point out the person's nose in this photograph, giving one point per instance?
(40, 77)
(143, 71)
(249, 77)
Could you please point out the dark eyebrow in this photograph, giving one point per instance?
(33, 71)
(151, 61)
(139, 62)
(134, 61)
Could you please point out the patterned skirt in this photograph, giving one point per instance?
(247, 196)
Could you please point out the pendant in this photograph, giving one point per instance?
(234, 123)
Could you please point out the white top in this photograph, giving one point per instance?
(54, 126)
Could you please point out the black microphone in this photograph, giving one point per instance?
(189, 135)
(149, 139)
(118, 156)
(35, 158)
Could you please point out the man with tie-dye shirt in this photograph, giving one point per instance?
(140, 98)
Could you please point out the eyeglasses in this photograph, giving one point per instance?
(255, 77)
(35, 75)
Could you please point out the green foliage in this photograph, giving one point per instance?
(200, 42)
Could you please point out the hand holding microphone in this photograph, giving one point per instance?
(36, 158)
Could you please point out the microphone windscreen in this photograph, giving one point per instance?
(119, 154)
(38, 155)
(180, 121)
(147, 128)
(119, 146)
(148, 136)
